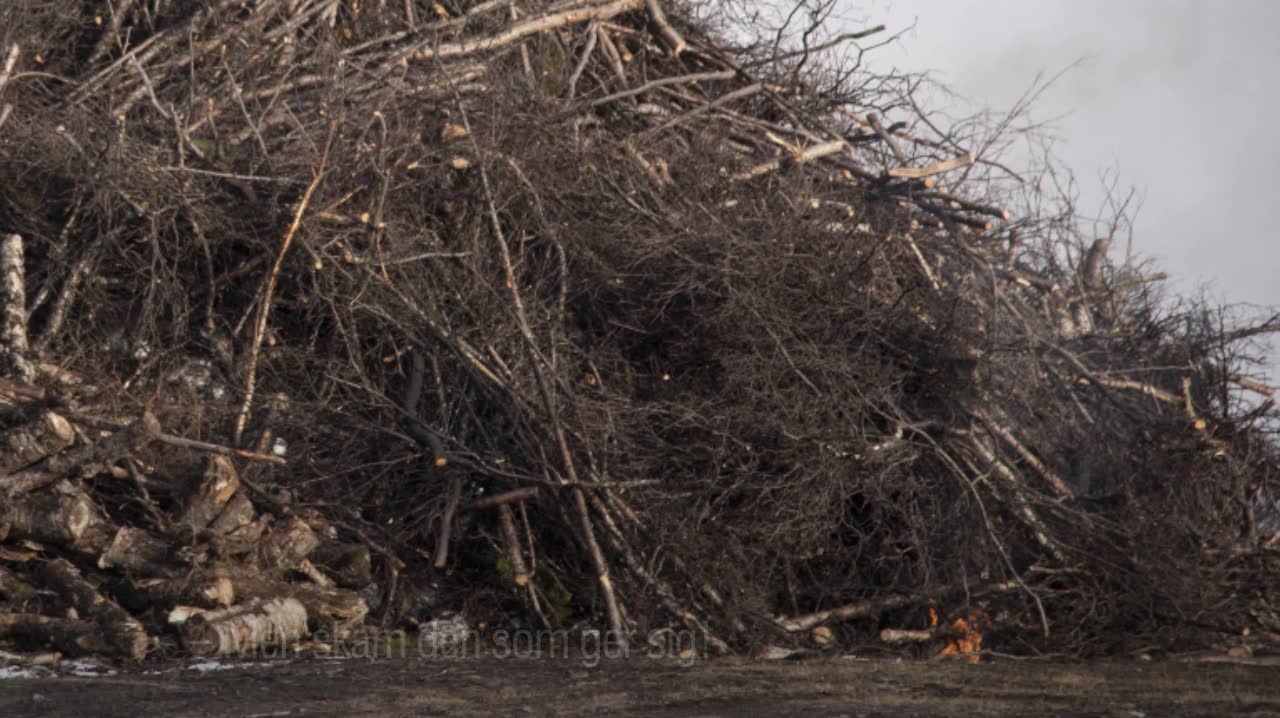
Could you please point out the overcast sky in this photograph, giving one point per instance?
(1177, 97)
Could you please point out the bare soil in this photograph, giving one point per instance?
(489, 686)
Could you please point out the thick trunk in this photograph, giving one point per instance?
(24, 445)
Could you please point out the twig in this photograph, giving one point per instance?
(70, 287)
(414, 426)
(948, 215)
(583, 59)
(611, 52)
(924, 264)
(1006, 435)
(921, 141)
(508, 497)
(118, 14)
(665, 82)
(1146, 389)
(534, 601)
(656, 172)
(10, 61)
(264, 309)
(861, 609)
(446, 524)
(1027, 279)
(1021, 507)
(525, 63)
(178, 441)
(967, 204)
(660, 586)
(232, 175)
(720, 101)
(151, 90)
(597, 558)
(514, 554)
(5, 73)
(874, 121)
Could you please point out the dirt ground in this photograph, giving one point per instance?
(489, 686)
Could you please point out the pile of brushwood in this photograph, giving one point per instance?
(617, 315)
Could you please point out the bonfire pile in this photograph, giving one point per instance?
(586, 315)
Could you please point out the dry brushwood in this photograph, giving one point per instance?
(603, 312)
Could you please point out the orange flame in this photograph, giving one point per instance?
(966, 639)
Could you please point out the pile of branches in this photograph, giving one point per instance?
(596, 313)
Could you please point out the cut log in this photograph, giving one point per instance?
(243, 542)
(251, 533)
(349, 564)
(123, 634)
(206, 589)
(23, 446)
(73, 637)
(62, 514)
(13, 589)
(335, 610)
(209, 494)
(86, 460)
(253, 627)
(235, 516)
(18, 555)
(137, 552)
(288, 544)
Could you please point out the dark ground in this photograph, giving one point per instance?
(643, 687)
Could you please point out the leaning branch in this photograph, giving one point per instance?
(268, 289)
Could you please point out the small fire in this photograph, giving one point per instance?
(964, 638)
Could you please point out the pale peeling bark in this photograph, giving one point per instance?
(13, 314)
(253, 627)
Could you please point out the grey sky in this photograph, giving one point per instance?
(1177, 97)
